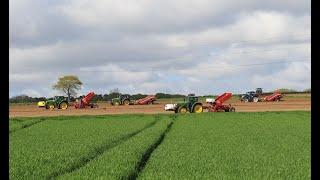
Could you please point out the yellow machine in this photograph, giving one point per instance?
(41, 104)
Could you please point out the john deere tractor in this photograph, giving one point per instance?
(189, 104)
(59, 102)
(123, 99)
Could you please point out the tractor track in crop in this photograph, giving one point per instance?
(96, 152)
(147, 154)
(25, 125)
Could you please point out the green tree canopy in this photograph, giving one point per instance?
(68, 84)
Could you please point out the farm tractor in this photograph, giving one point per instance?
(216, 105)
(251, 96)
(85, 102)
(123, 99)
(59, 102)
(189, 104)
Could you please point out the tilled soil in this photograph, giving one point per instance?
(104, 108)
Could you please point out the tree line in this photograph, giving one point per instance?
(70, 84)
(97, 97)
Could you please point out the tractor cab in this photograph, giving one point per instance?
(123, 97)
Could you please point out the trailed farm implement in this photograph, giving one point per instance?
(85, 102)
(216, 105)
(276, 96)
(146, 100)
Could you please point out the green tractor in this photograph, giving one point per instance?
(59, 102)
(123, 99)
(189, 104)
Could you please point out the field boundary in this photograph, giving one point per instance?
(97, 151)
(146, 155)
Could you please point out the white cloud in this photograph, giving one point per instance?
(187, 44)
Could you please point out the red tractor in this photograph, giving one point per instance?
(147, 100)
(85, 102)
(276, 96)
(216, 105)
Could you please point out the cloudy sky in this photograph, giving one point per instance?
(170, 46)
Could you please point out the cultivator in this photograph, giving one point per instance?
(276, 96)
(216, 105)
(85, 102)
(147, 100)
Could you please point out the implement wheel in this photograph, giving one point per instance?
(182, 110)
(51, 107)
(197, 108)
(63, 105)
(126, 102)
(232, 109)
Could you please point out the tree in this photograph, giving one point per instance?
(68, 84)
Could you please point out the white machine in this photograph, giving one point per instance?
(210, 100)
(170, 107)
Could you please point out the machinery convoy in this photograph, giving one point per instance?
(256, 96)
(190, 104)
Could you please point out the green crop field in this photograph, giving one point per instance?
(262, 145)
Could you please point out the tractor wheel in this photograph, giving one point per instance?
(182, 110)
(246, 100)
(116, 104)
(255, 99)
(197, 108)
(126, 102)
(63, 105)
(51, 106)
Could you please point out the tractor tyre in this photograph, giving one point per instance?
(126, 102)
(246, 100)
(63, 105)
(255, 99)
(198, 108)
(116, 104)
(182, 109)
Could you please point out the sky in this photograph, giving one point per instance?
(170, 46)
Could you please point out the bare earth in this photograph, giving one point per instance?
(290, 104)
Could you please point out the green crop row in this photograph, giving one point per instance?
(52, 147)
(20, 123)
(234, 146)
(265, 145)
(123, 160)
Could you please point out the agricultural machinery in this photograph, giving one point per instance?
(85, 102)
(189, 104)
(216, 105)
(59, 102)
(147, 100)
(276, 96)
(123, 99)
(41, 104)
(251, 96)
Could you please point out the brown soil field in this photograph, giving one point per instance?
(288, 104)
